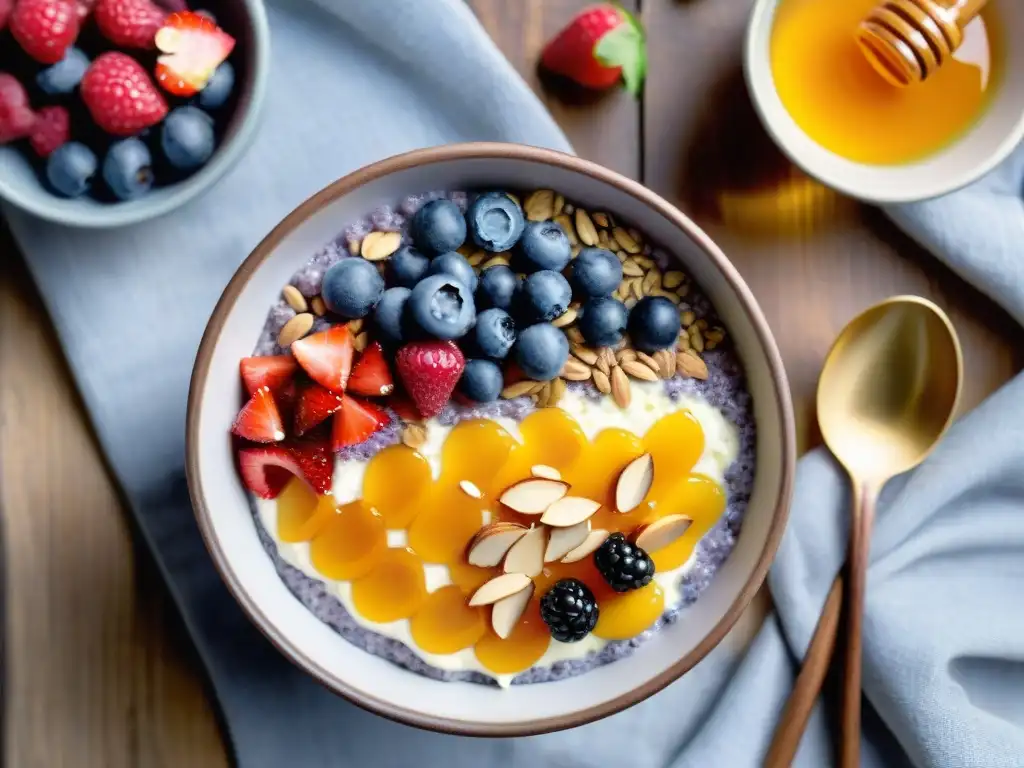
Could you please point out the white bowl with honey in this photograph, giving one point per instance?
(845, 124)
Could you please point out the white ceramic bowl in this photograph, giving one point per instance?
(222, 507)
(984, 146)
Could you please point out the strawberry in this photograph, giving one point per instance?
(129, 23)
(600, 46)
(267, 469)
(405, 408)
(120, 96)
(430, 370)
(51, 130)
(371, 376)
(273, 371)
(316, 464)
(45, 29)
(314, 406)
(327, 357)
(16, 116)
(193, 48)
(259, 420)
(355, 422)
(6, 7)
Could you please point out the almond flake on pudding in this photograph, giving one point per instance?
(594, 540)
(527, 555)
(469, 488)
(500, 587)
(662, 532)
(543, 470)
(534, 495)
(570, 511)
(634, 483)
(492, 542)
(564, 540)
(507, 612)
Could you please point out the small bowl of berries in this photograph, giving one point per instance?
(117, 111)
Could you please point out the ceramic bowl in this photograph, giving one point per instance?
(246, 20)
(223, 511)
(974, 154)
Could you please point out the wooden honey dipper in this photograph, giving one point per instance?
(908, 40)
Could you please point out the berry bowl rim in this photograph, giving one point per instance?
(242, 124)
(221, 504)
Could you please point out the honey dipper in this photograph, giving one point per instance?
(908, 40)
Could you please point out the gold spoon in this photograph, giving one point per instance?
(887, 393)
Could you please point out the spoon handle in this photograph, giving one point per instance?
(864, 498)
(793, 720)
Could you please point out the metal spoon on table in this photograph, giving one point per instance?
(887, 393)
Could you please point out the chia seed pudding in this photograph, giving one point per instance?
(721, 389)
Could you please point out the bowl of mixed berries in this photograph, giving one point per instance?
(117, 111)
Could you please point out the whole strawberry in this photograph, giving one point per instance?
(129, 23)
(120, 96)
(52, 129)
(600, 46)
(430, 370)
(45, 29)
(16, 116)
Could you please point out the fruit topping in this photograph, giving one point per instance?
(120, 96)
(662, 532)
(352, 287)
(16, 116)
(500, 587)
(603, 321)
(65, 75)
(455, 265)
(407, 266)
(496, 288)
(430, 370)
(587, 547)
(562, 541)
(193, 48)
(314, 406)
(51, 130)
(129, 23)
(356, 421)
(533, 495)
(481, 381)
(490, 545)
(442, 307)
(623, 565)
(45, 29)
(388, 315)
(569, 511)
(540, 351)
(654, 324)
(494, 333)
(544, 245)
(187, 138)
(634, 482)
(218, 90)
(595, 273)
(327, 357)
(527, 554)
(71, 168)
(438, 227)
(570, 610)
(128, 169)
(6, 6)
(495, 221)
(371, 376)
(267, 469)
(259, 420)
(543, 296)
(273, 371)
(507, 612)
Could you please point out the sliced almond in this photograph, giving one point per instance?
(662, 532)
(575, 370)
(294, 298)
(543, 470)
(470, 489)
(623, 238)
(507, 612)
(602, 382)
(672, 279)
(520, 388)
(499, 587)
(585, 228)
(631, 269)
(639, 370)
(414, 435)
(562, 541)
(318, 306)
(569, 511)
(594, 540)
(540, 205)
(377, 246)
(492, 542)
(295, 329)
(688, 364)
(534, 495)
(620, 387)
(558, 389)
(586, 354)
(566, 318)
(634, 483)
(527, 555)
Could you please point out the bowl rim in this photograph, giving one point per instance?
(477, 151)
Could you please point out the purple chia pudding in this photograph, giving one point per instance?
(725, 389)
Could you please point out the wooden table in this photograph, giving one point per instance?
(98, 672)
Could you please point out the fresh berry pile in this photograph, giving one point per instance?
(110, 98)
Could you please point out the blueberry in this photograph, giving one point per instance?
(70, 169)
(387, 315)
(544, 245)
(541, 351)
(218, 88)
(438, 227)
(407, 266)
(454, 264)
(543, 295)
(187, 137)
(442, 307)
(595, 272)
(603, 321)
(494, 333)
(65, 75)
(481, 381)
(352, 287)
(127, 169)
(495, 221)
(497, 286)
(654, 324)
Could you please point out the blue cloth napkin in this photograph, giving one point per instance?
(944, 631)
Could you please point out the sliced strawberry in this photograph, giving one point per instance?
(430, 370)
(356, 421)
(314, 406)
(327, 357)
(371, 376)
(259, 420)
(405, 408)
(272, 371)
(193, 47)
(316, 464)
(267, 469)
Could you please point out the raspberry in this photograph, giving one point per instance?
(120, 96)
(52, 129)
(45, 29)
(129, 23)
(16, 116)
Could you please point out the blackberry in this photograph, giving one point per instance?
(570, 610)
(624, 566)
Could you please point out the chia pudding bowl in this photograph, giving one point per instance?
(511, 448)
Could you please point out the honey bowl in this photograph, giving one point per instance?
(223, 505)
(911, 143)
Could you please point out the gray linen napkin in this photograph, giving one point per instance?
(944, 658)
